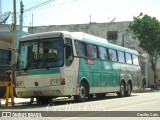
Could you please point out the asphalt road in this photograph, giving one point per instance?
(139, 106)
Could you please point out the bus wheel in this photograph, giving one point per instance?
(129, 89)
(82, 93)
(122, 91)
(43, 100)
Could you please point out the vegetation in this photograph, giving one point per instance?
(147, 30)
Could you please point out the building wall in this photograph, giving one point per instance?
(5, 45)
(123, 38)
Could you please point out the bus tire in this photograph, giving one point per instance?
(83, 92)
(129, 89)
(122, 91)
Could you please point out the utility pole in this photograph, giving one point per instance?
(0, 8)
(32, 23)
(14, 33)
(21, 18)
(90, 18)
(123, 37)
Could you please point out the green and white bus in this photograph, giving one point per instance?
(61, 63)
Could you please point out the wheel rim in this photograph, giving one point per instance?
(82, 92)
(122, 89)
(129, 89)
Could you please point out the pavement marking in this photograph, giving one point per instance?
(112, 109)
(133, 105)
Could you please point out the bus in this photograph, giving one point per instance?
(62, 63)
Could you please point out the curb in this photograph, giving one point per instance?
(16, 101)
(146, 90)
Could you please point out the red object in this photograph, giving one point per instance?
(9, 78)
(24, 73)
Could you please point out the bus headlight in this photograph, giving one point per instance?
(19, 84)
(63, 82)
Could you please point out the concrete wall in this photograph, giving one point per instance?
(124, 37)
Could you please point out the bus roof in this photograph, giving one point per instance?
(83, 36)
(45, 35)
(79, 36)
(100, 41)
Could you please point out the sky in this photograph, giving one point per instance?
(62, 12)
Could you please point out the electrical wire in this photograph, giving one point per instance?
(47, 2)
(38, 6)
(63, 3)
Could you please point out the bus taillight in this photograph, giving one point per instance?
(63, 82)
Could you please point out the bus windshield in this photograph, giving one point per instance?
(44, 53)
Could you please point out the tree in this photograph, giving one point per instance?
(147, 30)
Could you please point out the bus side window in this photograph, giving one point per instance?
(112, 55)
(92, 51)
(69, 52)
(135, 60)
(103, 53)
(80, 49)
(128, 58)
(121, 57)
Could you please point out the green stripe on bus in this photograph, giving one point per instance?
(39, 72)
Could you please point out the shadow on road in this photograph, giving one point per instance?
(56, 102)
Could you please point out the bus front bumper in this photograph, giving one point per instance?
(51, 91)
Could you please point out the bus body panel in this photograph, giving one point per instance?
(71, 76)
(102, 76)
(105, 76)
(33, 81)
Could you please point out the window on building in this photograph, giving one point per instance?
(121, 57)
(5, 57)
(112, 35)
(92, 51)
(128, 58)
(135, 59)
(103, 53)
(112, 55)
(80, 49)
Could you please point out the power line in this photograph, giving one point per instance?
(63, 3)
(47, 2)
(38, 6)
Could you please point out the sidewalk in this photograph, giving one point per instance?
(16, 101)
(19, 101)
(145, 90)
